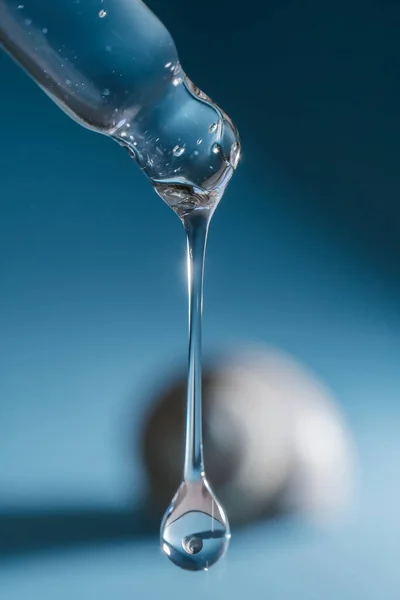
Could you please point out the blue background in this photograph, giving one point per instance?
(303, 254)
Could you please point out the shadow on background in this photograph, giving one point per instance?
(30, 532)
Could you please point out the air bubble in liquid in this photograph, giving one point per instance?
(102, 14)
(213, 128)
(178, 151)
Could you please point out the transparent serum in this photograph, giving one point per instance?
(113, 67)
(195, 532)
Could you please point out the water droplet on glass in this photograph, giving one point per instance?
(195, 532)
(213, 128)
(178, 151)
(102, 14)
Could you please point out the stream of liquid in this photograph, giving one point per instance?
(195, 531)
(189, 149)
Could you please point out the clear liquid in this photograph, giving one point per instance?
(113, 67)
(186, 145)
(195, 532)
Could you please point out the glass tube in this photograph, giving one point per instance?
(113, 67)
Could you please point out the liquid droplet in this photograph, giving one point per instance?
(178, 151)
(102, 14)
(195, 532)
(213, 128)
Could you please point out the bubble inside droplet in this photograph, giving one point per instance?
(192, 545)
(20, 6)
(45, 30)
(106, 92)
(178, 150)
(102, 14)
(28, 21)
(177, 81)
(195, 540)
(213, 128)
(199, 141)
(216, 148)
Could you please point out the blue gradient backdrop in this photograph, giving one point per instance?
(303, 254)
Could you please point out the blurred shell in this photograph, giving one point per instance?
(274, 440)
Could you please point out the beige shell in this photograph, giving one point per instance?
(274, 440)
